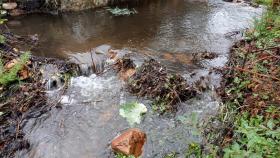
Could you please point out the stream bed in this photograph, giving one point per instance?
(169, 31)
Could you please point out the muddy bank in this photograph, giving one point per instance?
(23, 94)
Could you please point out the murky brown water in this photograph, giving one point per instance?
(166, 30)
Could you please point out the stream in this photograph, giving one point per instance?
(166, 30)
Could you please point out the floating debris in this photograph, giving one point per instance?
(121, 12)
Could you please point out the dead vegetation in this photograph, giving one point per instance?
(24, 97)
(152, 80)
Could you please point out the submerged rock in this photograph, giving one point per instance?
(52, 77)
(93, 61)
(129, 142)
(103, 49)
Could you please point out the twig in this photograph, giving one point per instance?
(258, 50)
(255, 73)
(266, 57)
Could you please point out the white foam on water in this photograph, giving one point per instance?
(94, 86)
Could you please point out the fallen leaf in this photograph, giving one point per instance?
(125, 75)
(24, 74)
(11, 64)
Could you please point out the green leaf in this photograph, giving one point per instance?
(270, 124)
(133, 112)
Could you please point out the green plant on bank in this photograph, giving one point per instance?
(9, 76)
(121, 12)
(2, 20)
(263, 2)
(120, 155)
(195, 150)
(266, 29)
(2, 14)
(257, 135)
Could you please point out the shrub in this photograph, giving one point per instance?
(9, 76)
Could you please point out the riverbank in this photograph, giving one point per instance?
(248, 124)
(23, 89)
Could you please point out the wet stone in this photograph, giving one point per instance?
(129, 142)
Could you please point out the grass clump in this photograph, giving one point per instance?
(256, 137)
(266, 32)
(8, 76)
(263, 2)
